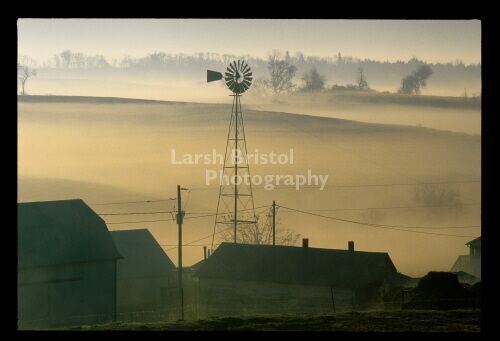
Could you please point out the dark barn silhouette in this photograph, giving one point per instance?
(147, 282)
(240, 279)
(66, 265)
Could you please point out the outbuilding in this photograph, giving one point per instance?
(66, 265)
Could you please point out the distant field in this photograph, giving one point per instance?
(331, 96)
(439, 112)
(87, 99)
(374, 97)
(379, 321)
(114, 150)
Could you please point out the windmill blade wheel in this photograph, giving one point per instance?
(238, 76)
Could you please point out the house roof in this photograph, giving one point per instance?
(296, 265)
(475, 242)
(143, 256)
(197, 264)
(61, 232)
(461, 264)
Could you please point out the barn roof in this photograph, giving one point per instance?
(61, 232)
(296, 265)
(475, 242)
(143, 256)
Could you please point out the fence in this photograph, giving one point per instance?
(409, 300)
(80, 321)
(92, 319)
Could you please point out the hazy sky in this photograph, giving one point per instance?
(430, 40)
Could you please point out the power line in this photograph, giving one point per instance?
(183, 245)
(351, 186)
(390, 227)
(214, 233)
(389, 207)
(382, 225)
(197, 240)
(158, 220)
(404, 184)
(202, 216)
(280, 188)
(132, 202)
(141, 221)
(132, 213)
(207, 214)
(214, 214)
(204, 212)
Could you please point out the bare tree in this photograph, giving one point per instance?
(66, 58)
(281, 74)
(362, 83)
(313, 81)
(262, 232)
(415, 81)
(438, 198)
(260, 87)
(25, 72)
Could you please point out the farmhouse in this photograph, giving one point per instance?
(147, 282)
(470, 263)
(239, 279)
(66, 265)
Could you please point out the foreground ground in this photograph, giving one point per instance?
(456, 320)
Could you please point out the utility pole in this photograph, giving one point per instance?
(180, 218)
(274, 222)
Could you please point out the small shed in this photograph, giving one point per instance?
(147, 282)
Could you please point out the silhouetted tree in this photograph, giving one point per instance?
(25, 72)
(313, 81)
(66, 58)
(260, 87)
(362, 83)
(281, 74)
(262, 232)
(439, 198)
(415, 81)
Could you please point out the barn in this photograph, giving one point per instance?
(66, 265)
(147, 282)
(240, 279)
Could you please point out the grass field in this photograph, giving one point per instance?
(379, 321)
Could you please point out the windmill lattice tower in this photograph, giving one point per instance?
(235, 206)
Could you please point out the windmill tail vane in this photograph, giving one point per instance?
(238, 76)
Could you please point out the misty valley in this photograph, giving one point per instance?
(249, 174)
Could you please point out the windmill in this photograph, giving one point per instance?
(235, 206)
